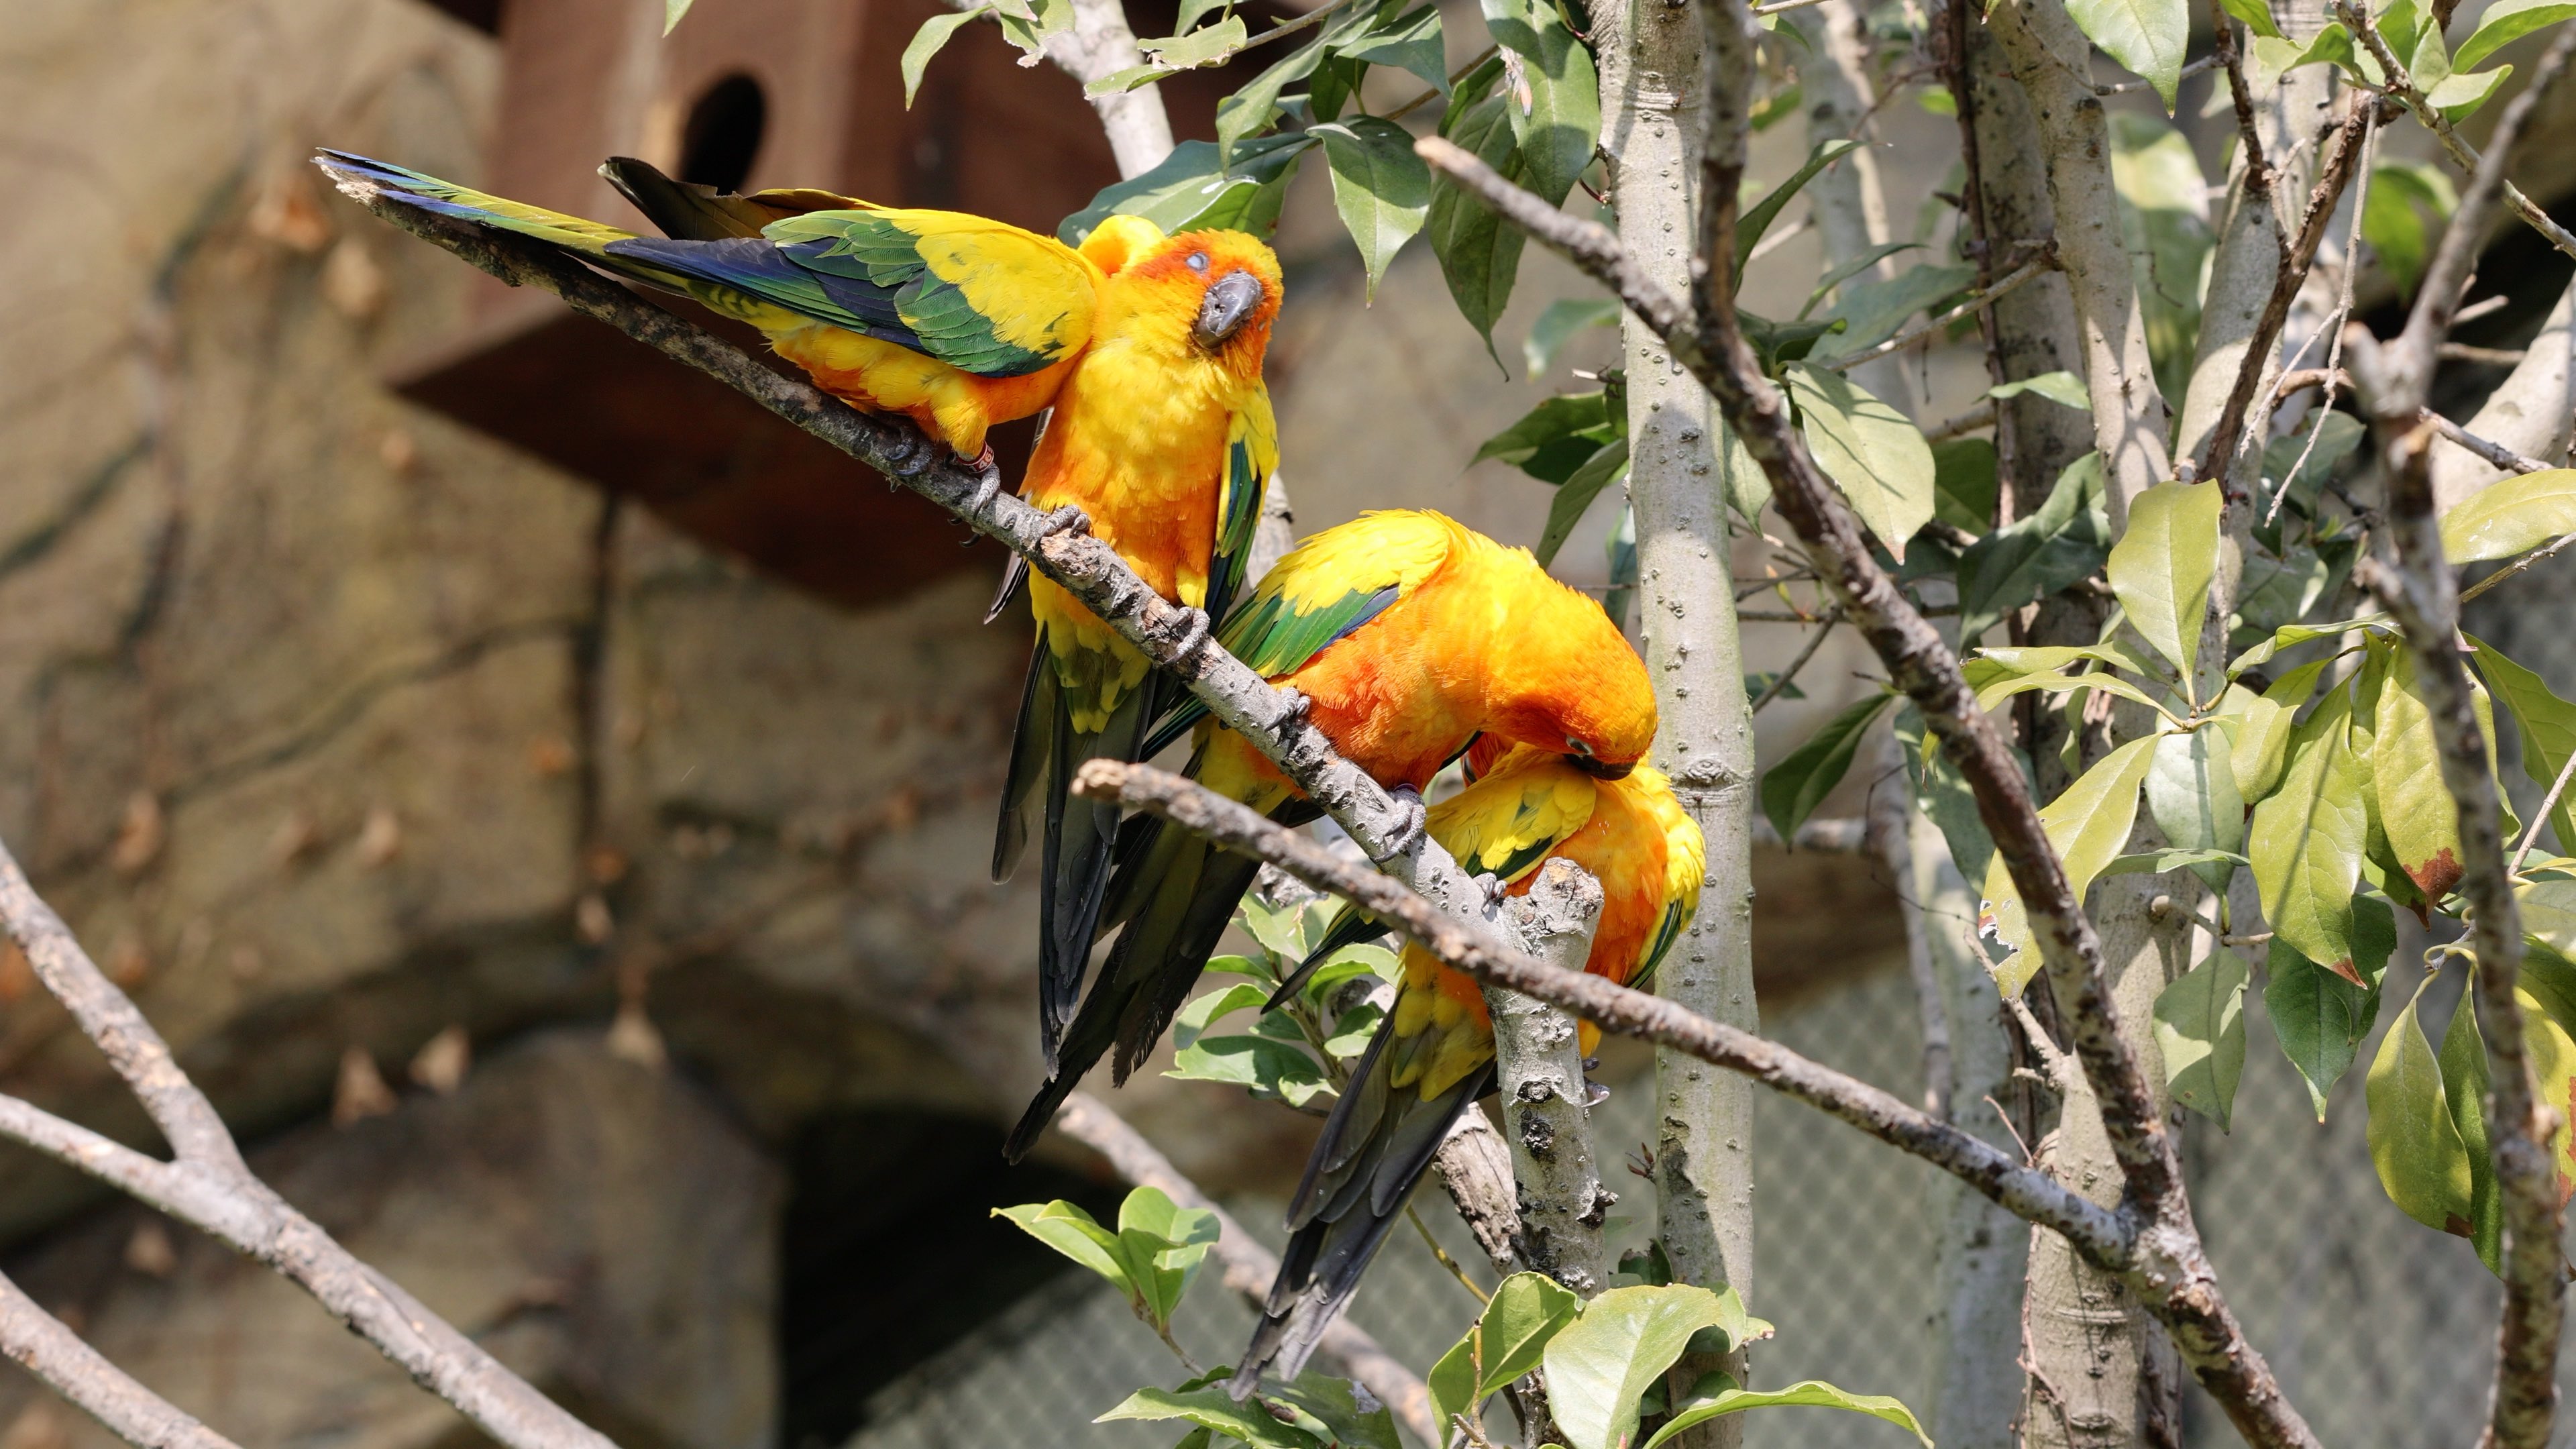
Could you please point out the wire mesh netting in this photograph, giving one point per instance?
(2380, 1330)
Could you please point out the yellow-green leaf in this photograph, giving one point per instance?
(2416, 811)
(2414, 1142)
(2547, 725)
(2162, 565)
(2089, 825)
(1874, 453)
(2511, 517)
(2200, 1029)
(2307, 839)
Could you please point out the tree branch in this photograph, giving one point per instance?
(2179, 1287)
(1538, 1063)
(1246, 1267)
(52, 1352)
(2029, 1193)
(2422, 593)
(1100, 45)
(211, 1188)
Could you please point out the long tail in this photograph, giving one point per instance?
(1375, 1148)
(1176, 893)
(708, 270)
(1080, 835)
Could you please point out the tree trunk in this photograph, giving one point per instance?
(1650, 94)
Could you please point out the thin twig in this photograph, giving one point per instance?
(2494, 452)
(2126, 87)
(2540, 817)
(1982, 300)
(1433, 93)
(2547, 551)
(1246, 1267)
(1781, 680)
(1442, 1254)
(45, 1347)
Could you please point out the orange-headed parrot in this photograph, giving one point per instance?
(1148, 347)
(1433, 1055)
(1409, 635)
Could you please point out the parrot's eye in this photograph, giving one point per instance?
(1579, 747)
(1198, 261)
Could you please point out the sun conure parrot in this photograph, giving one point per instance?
(1149, 349)
(1433, 1055)
(1409, 635)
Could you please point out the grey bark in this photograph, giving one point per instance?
(1651, 109)
(2530, 412)
(1538, 1062)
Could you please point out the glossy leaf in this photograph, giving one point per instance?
(926, 43)
(2063, 388)
(2507, 21)
(1411, 43)
(2459, 97)
(2307, 838)
(1604, 469)
(1994, 690)
(1525, 1312)
(1557, 437)
(2260, 749)
(1162, 1245)
(2162, 565)
(1559, 323)
(2336, 436)
(1858, 264)
(2511, 517)
(2319, 1018)
(1077, 1235)
(2547, 725)
(1213, 1408)
(1793, 788)
(1337, 1410)
(1381, 189)
(2394, 218)
(1717, 1394)
(1964, 483)
(1558, 124)
(1874, 454)
(2164, 224)
(2290, 636)
(2192, 796)
(2256, 15)
(2416, 811)
(2089, 824)
(2552, 1053)
(2062, 541)
(1192, 1020)
(1626, 1338)
(2464, 1090)
(2158, 862)
(1873, 311)
(2147, 36)
(1266, 1066)
(1191, 189)
(2414, 1142)
(1480, 257)
(2548, 909)
(1944, 797)
(2200, 1029)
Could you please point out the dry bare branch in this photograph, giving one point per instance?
(45, 1347)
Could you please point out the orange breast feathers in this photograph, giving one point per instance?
(1623, 847)
(954, 406)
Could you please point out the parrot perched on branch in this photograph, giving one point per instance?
(1148, 347)
(1433, 1055)
(1408, 635)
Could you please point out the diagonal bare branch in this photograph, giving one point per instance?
(45, 1347)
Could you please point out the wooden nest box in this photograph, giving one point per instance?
(745, 94)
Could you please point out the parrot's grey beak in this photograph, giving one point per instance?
(1601, 769)
(1229, 300)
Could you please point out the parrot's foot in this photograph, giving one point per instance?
(1496, 889)
(1067, 519)
(1411, 819)
(1193, 633)
(911, 455)
(1594, 1094)
(1294, 706)
(988, 484)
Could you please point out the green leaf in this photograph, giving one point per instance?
(1480, 256)
(1191, 1021)
(1625, 1339)
(1557, 437)
(2337, 434)
(1561, 125)
(1191, 190)
(2161, 567)
(2319, 1018)
(2064, 540)
(2147, 36)
(2192, 796)
(2464, 1090)
(1872, 311)
(2393, 220)
(2415, 808)
(1944, 797)
(2505, 22)
(1210, 45)
(1338, 1411)
(1381, 189)
(1754, 222)
(1162, 1245)
(1994, 689)
(2256, 15)
(1874, 454)
(2088, 825)
(2200, 1029)
(1412, 42)
(2414, 1140)
(2264, 721)
(1963, 483)
(1250, 110)
(672, 13)
(2274, 57)
(2307, 839)
(2511, 517)
(1558, 324)
(926, 41)
(1576, 493)
(2547, 725)
(1283, 933)
(1525, 1313)
(1793, 788)
(1854, 268)
(1077, 1235)
(1214, 1408)
(2063, 388)
(2460, 97)
(1452, 1382)
(1266, 1067)
(2164, 225)
(1717, 1394)
(2290, 636)
(2157, 862)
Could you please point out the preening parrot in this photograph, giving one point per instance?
(1148, 347)
(1433, 1055)
(1409, 635)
